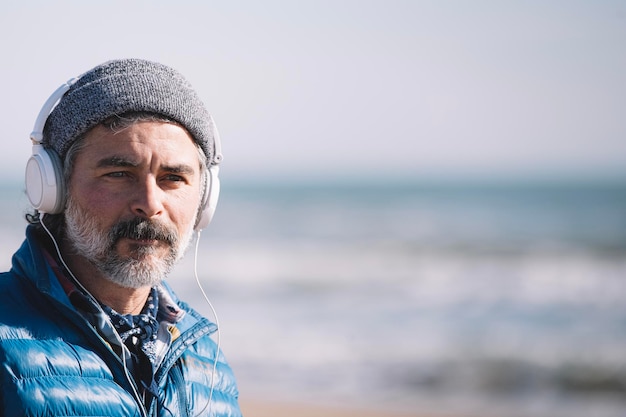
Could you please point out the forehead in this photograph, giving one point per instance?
(146, 140)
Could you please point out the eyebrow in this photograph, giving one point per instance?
(115, 161)
(121, 162)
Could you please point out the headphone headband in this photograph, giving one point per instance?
(36, 135)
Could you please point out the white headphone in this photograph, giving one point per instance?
(45, 184)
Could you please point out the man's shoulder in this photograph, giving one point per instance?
(12, 288)
(16, 305)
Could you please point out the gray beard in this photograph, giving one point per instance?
(144, 268)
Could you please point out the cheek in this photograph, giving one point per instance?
(183, 211)
(94, 202)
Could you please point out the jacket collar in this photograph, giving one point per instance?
(29, 262)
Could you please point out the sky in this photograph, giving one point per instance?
(367, 89)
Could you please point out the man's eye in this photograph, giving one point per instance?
(116, 174)
(172, 177)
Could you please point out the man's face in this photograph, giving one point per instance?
(133, 200)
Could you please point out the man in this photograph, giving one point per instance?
(121, 175)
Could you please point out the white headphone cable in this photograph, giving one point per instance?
(217, 323)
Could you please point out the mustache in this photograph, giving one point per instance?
(142, 229)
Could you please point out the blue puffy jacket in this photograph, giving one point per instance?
(53, 362)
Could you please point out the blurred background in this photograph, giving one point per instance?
(423, 203)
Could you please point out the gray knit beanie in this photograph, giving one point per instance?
(120, 86)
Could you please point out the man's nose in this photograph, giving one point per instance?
(148, 198)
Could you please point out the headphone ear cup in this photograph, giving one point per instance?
(45, 186)
(211, 198)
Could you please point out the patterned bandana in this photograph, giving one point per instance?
(139, 334)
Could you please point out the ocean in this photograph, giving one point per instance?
(493, 299)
